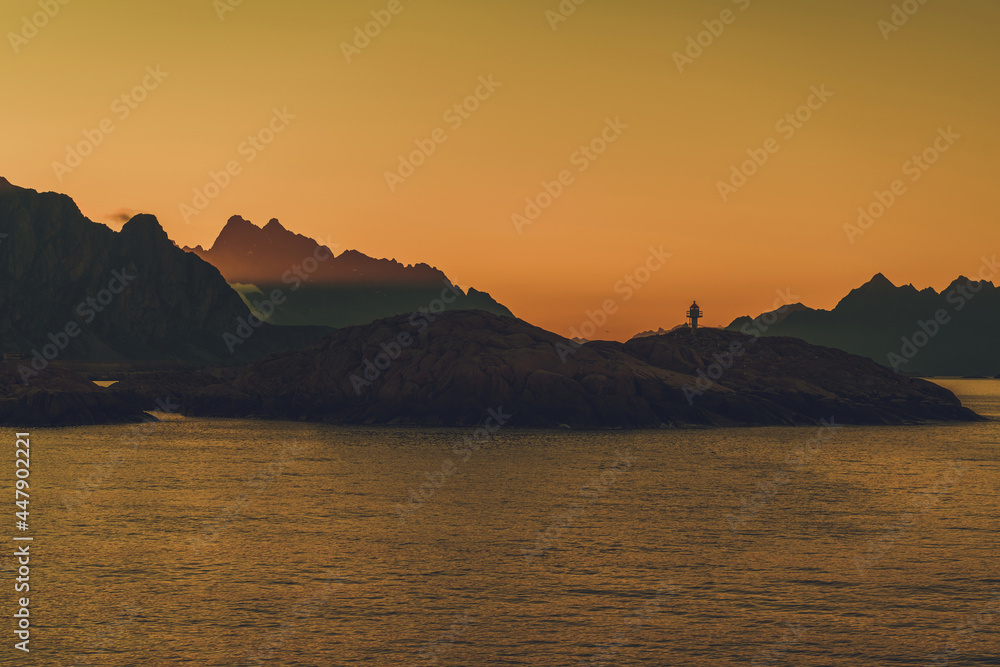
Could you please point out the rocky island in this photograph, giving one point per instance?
(451, 368)
(73, 292)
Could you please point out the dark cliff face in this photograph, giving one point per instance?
(109, 295)
(326, 289)
(452, 370)
(874, 319)
(58, 398)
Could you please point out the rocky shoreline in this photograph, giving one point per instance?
(55, 397)
(450, 369)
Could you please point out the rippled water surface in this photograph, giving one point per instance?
(220, 542)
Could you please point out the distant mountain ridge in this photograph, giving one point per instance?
(659, 332)
(321, 288)
(73, 289)
(924, 332)
(246, 253)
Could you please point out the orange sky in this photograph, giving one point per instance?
(324, 174)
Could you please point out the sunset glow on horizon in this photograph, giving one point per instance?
(542, 157)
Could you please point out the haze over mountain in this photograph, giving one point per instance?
(923, 332)
(73, 289)
(322, 289)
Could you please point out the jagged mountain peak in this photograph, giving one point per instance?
(145, 225)
(237, 232)
(963, 282)
(880, 321)
(273, 225)
(878, 281)
(879, 287)
(238, 225)
(248, 254)
(350, 288)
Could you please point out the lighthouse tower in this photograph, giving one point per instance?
(694, 314)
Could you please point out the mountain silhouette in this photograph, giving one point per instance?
(320, 288)
(923, 332)
(73, 289)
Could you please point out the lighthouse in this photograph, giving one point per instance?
(694, 314)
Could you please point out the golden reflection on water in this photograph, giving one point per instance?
(223, 542)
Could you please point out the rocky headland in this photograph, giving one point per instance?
(452, 370)
(57, 397)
